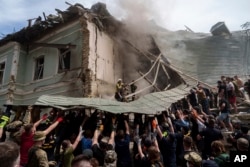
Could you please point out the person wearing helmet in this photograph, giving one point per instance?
(119, 90)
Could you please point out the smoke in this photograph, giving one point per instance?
(140, 20)
(137, 17)
(137, 14)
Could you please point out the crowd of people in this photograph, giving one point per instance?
(188, 134)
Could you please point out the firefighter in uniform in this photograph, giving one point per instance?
(119, 90)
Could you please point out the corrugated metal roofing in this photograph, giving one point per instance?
(205, 57)
(152, 103)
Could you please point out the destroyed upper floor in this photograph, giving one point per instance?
(42, 25)
(186, 55)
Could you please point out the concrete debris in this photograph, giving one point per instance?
(220, 29)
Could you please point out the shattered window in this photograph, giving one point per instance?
(2, 68)
(39, 68)
(64, 60)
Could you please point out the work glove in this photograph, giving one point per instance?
(44, 116)
(154, 124)
(60, 119)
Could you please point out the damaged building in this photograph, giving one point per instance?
(82, 52)
(76, 53)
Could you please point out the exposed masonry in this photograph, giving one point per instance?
(11, 89)
(86, 72)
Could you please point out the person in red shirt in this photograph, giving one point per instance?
(26, 139)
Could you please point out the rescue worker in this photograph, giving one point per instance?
(37, 156)
(4, 119)
(119, 90)
(133, 88)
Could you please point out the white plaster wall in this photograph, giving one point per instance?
(103, 62)
(92, 48)
(101, 59)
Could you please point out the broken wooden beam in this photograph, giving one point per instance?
(150, 82)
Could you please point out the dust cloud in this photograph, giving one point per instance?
(137, 17)
(141, 20)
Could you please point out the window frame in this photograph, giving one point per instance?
(39, 68)
(2, 71)
(63, 56)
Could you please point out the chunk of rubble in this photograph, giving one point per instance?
(220, 29)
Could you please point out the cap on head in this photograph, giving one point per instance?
(14, 126)
(110, 158)
(194, 158)
(242, 144)
(39, 136)
(119, 80)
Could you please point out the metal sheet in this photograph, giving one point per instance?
(152, 103)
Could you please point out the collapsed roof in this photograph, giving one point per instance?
(126, 45)
(40, 26)
(185, 56)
